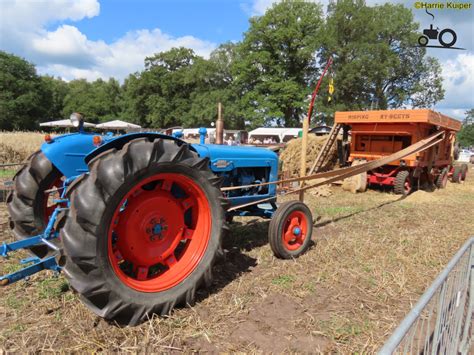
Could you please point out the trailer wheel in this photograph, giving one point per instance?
(442, 179)
(143, 230)
(464, 169)
(457, 174)
(403, 183)
(290, 230)
(28, 205)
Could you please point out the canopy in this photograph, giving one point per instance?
(63, 123)
(117, 124)
(280, 132)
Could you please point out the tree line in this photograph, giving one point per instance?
(263, 79)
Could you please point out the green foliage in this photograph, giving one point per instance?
(376, 64)
(58, 90)
(23, 99)
(265, 79)
(466, 134)
(98, 101)
(277, 62)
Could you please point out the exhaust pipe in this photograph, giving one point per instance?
(219, 125)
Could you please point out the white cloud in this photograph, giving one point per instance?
(458, 74)
(68, 53)
(260, 6)
(118, 59)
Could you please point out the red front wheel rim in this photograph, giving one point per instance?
(159, 232)
(295, 230)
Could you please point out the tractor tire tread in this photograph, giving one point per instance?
(400, 179)
(87, 267)
(25, 199)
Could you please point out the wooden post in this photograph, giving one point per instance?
(304, 148)
(304, 143)
(219, 125)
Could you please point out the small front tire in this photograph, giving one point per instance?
(457, 174)
(403, 183)
(442, 179)
(290, 230)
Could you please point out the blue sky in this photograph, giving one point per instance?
(211, 20)
(110, 38)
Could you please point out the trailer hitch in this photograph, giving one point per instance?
(53, 261)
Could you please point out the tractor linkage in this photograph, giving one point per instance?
(50, 261)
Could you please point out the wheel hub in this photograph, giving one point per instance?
(294, 231)
(157, 228)
(159, 232)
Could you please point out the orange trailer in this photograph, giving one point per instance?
(375, 134)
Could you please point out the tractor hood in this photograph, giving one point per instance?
(227, 158)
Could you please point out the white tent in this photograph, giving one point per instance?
(118, 124)
(282, 133)
(63, 123)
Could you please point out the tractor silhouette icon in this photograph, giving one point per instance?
(431, 33)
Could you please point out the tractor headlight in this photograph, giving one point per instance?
(76, 119)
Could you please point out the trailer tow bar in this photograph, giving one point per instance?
(49, 262)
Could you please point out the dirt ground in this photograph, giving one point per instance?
(373, 256)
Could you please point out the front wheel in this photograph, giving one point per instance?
(143, 230)
(423, 41)
(29, 204)
(290, 230)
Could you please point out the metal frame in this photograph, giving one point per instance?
(50, 261)
(441, 321)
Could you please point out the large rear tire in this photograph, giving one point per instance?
(143, 230)
(29, 206)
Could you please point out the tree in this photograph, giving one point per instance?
(376, 62)
(58, 90)
(23, 99)
(180, 88)
(277, 62)
(98, 101)
(466, 134)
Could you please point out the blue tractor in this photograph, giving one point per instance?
(138, 219)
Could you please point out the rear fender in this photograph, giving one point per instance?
(67, 152)
(120, 141)
(70, 153)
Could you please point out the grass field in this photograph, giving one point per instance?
(373, 256)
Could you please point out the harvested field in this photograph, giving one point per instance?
(16, 147)
(373, 256)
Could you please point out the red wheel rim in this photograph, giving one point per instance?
(295, 230)
(48, 204)
(159, 232)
